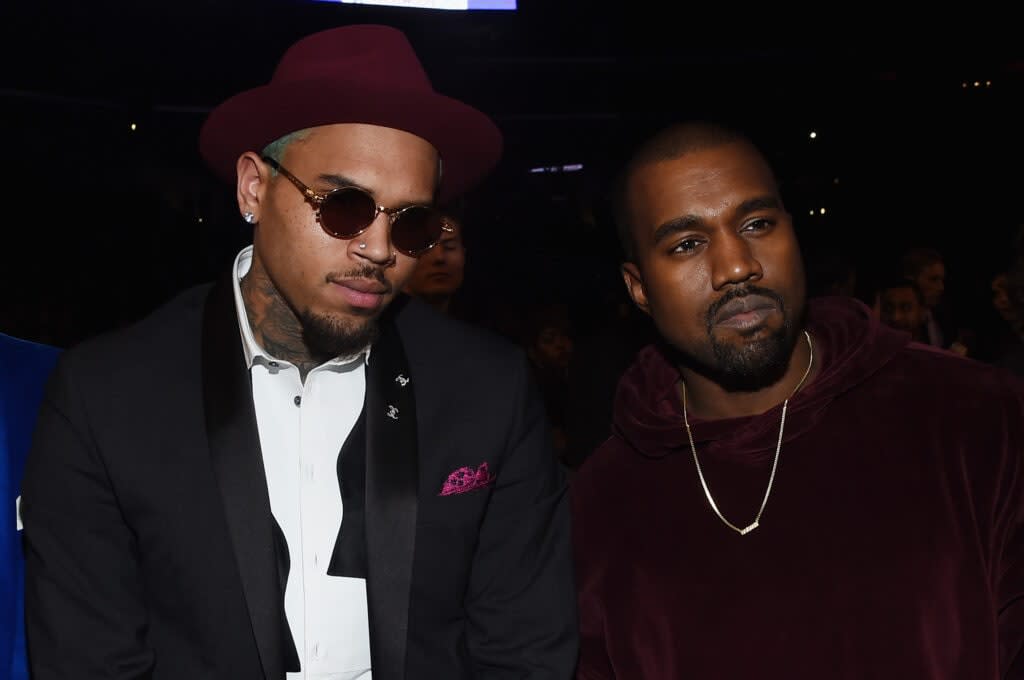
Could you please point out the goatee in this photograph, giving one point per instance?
(751, 365)
(328, 337)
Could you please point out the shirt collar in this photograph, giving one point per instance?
(253, 351)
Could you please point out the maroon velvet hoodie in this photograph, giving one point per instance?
(891, 545)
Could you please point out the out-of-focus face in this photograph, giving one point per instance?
(717, 263)
(439, 272)
(335, 287)
(931, 281)
(1001, 297)
(900, 308)
(552, 348)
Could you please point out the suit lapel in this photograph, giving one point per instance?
(349, 557)
(238, 465)
(392, 472)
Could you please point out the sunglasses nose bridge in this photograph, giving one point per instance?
(379, 246)
(392, 213)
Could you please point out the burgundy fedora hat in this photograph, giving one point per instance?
(353, 74)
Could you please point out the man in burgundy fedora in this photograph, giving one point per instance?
(295, 472)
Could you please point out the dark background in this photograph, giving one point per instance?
(102, 223)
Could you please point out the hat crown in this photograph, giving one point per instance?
(366, 74)
(367, 53)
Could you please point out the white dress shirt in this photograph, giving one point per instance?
(302, 428)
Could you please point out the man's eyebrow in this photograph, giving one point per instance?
(687, 222)
(759, 203)
(343, 182)
(675, 226)
(340, 181)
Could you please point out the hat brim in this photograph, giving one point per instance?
(468, 142)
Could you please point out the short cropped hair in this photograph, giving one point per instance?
(670, 143)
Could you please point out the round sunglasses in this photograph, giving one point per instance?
(346, 212)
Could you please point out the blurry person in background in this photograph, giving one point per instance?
(440, 271)
(927, 269)
(900, 305)
(1001, 302)
(547, 338)
(1008, 301)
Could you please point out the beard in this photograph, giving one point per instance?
(750, 365)
(328, 337)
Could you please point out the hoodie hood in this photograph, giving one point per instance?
(850, 344)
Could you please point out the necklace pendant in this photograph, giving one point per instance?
(778, 449)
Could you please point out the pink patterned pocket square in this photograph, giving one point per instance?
(466, 479)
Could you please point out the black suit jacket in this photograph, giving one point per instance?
(150, 546)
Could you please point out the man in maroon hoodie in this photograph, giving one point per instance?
(792, 490)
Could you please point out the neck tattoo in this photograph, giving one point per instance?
(274, 326)
(778, 449)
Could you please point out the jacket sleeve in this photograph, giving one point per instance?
(85, 616)
(521, 600)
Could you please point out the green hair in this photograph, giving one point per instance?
(277, 147)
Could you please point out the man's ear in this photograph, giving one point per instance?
(635, 286)
(252, 175)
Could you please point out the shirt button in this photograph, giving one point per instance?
(298, 401)
(316, 650)
(316, 560)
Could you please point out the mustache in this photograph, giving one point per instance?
(365, 272)
(741, 292)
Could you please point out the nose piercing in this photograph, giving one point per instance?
(362, 245)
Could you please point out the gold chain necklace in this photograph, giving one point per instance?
(778, 448)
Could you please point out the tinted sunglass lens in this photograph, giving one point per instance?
(346, 212)
(416, 229)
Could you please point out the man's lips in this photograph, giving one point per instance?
(364, 285)
(364, 293)
(745, 312)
